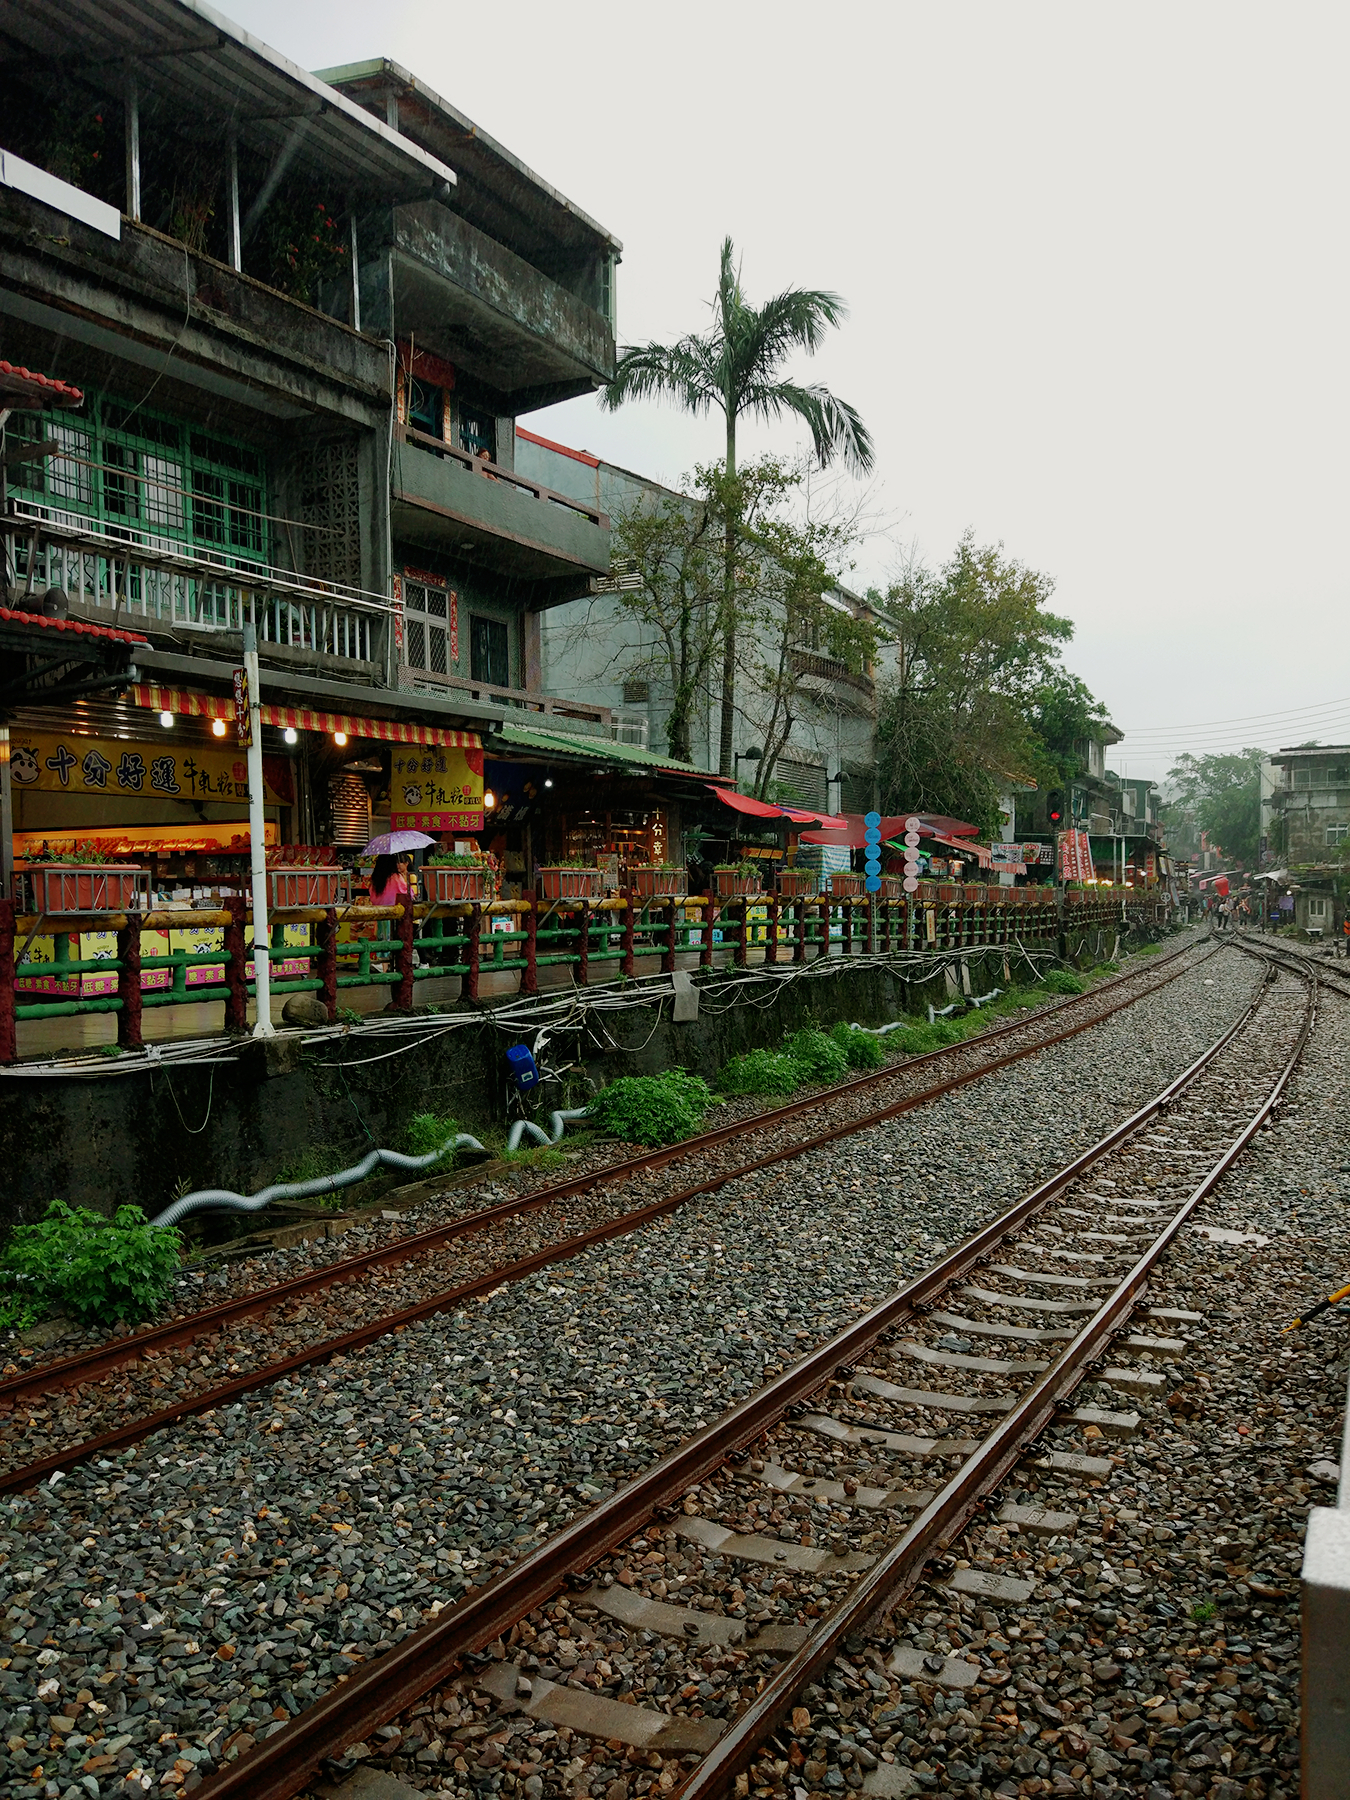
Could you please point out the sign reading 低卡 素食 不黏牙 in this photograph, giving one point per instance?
(433, 787)
(61, 763)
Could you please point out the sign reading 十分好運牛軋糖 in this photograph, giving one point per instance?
(62, 763)
(435, 788)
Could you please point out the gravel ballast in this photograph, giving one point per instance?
(244, 1561)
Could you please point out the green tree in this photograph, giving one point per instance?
(735, 367)
(1223, 796)
(977, 654)
(1063, 714)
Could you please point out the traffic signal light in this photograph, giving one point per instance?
(1055, 806)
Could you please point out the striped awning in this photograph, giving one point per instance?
(301, 718)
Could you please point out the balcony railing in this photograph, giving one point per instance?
(141, 583)
(523, 699)
(491, 471)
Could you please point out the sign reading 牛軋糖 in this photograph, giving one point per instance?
(435, 788)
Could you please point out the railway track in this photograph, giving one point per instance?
(677, 1628)
(107, 1398)
(1282, 957)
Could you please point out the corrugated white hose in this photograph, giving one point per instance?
(225, 1200)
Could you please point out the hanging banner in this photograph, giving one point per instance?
(1075, 856)
(436, 789)
(55, 763)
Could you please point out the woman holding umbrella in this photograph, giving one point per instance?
(393, 879)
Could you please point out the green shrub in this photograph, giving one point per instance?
(1153, 949)
(861, 1049)
(761, 1072)
(427, 1132)
(1063, 981)
(99, 1271)
(818, 1056)
(652, 1109)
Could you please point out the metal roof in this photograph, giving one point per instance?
(206, 69)
(588, 749)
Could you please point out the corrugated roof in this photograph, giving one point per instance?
(206, 69)
(588, 749)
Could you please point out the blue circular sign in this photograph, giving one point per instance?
(872, 884)
(872, 820)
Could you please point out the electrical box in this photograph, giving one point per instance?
(524, 1071)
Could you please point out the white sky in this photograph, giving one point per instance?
(1096, 261)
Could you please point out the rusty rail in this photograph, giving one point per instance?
(280, 1767)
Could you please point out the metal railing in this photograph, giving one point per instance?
(136, 581)
(493, 471)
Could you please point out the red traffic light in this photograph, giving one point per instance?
(1055, 818)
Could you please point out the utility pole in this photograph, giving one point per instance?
(257, 840)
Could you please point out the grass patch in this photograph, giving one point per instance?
(98, 1271)
(1062, 981)
(427, 1132)
(536, 1156)
(817, 1055)
(760, 1072)
(1148, 949)
(652, 1109)
(861, 1049)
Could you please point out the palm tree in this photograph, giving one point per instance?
(735, 366)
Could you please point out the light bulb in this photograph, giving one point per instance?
(217, 728)
(291, 735)
(548, 781)
(166, 720)
(339, 737)
(489, 799)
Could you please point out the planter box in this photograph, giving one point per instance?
(88, 887)
(892, 888)
(727, 885)
(447, 885)
(645, 883)
(288, 889)
(949, 892)
(570, 884)
(798, 884)
(846, 886)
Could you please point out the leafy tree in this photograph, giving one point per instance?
(1063, 714)
(1223, 795)
(977, 664)
(736, 367)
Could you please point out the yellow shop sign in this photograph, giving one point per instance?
(54, 763)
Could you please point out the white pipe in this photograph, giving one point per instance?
(257, 841)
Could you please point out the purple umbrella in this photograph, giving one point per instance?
(392, 843)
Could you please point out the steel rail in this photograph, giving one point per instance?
(280, 1767)
(91, 1364)
(1293, 960)
(893, 1575)
(29, 1475)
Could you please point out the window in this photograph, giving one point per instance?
(489, 658)
(226, 512)
(426, 405)
(1317, 906)
(636, 693)
(476, 433)
(1337, 834)
(1303, 778)
(430, 628)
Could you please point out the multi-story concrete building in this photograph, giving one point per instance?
(1305, 827)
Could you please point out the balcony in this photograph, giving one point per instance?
(467, 297)
(449, 501)
(834, 684)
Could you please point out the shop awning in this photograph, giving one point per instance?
(214, 706)
(578, 746)
(764, 809)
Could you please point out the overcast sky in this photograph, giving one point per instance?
(1096, 263)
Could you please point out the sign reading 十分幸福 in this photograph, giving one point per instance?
(48, 762)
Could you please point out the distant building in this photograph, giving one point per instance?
(1305, 826)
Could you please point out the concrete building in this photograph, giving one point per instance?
(596, 649)
(1305, 826)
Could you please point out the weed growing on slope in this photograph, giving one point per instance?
(98, 1271)
(652, 1109)
(861, 1049)
(1063, 981)
(428, 1132)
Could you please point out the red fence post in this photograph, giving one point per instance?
(475, 931)
(129, 984)
(626, 941)
(404, 1000)
(705, 944)
(584, 945)
(236, 966)
(328, 941)
(529, 975)
(8, 1039)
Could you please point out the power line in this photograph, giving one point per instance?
(1320, 706)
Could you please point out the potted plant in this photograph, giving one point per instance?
(798, 884)
(570, 878)
(657, 881)
(892, 888)
(461, 875)
(845, 885)
(302, 875)
(84, 879)
(738, 880)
